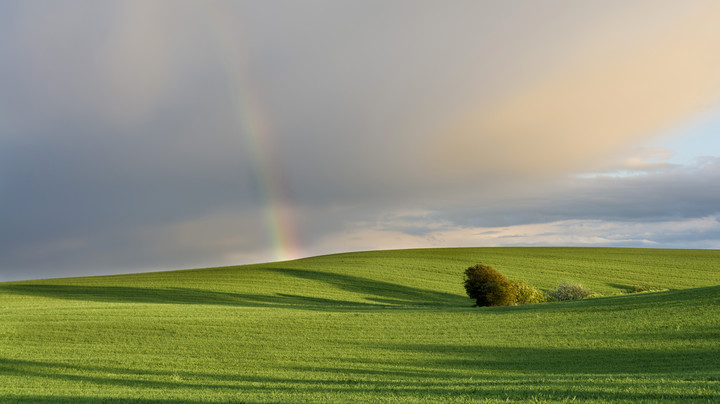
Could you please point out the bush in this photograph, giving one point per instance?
(569, 291)
(488, 286)
(526, 293)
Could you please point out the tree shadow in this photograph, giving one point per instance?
(558, 361)
(379, 291)
(378, 295)
(121, 294)
(126, 294)
(398, 381)
(623, 288)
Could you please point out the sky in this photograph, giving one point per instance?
(141, 136)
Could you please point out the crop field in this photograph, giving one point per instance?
(385, 326)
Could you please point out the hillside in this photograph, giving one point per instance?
(385, 326)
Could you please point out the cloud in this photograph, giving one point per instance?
(129, 131)
(686, 233)
(674, 208)
(639, 161)
(680, 192)
(683, 233)
(596, 104)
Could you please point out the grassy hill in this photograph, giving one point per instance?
(386, 326)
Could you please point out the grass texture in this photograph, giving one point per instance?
(385, 326)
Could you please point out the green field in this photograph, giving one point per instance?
(387, 326)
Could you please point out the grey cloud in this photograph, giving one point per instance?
(636, 209)
(683, 192)
(126, 124)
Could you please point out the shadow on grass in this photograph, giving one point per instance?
(621, 287)
(379, 291)
(379, 295)
(472, 374)
(126, 294)
(556, 361)
(709, 295)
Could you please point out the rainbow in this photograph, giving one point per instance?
(257, 137)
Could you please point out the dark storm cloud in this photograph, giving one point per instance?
(82, 167)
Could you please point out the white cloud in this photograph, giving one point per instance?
(642, 160)
(685, 233)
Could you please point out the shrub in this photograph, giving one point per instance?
(488, 286)
(526, 293)
(569, 291)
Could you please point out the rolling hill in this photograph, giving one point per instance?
(382, 326)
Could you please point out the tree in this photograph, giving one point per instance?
(488, 286)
